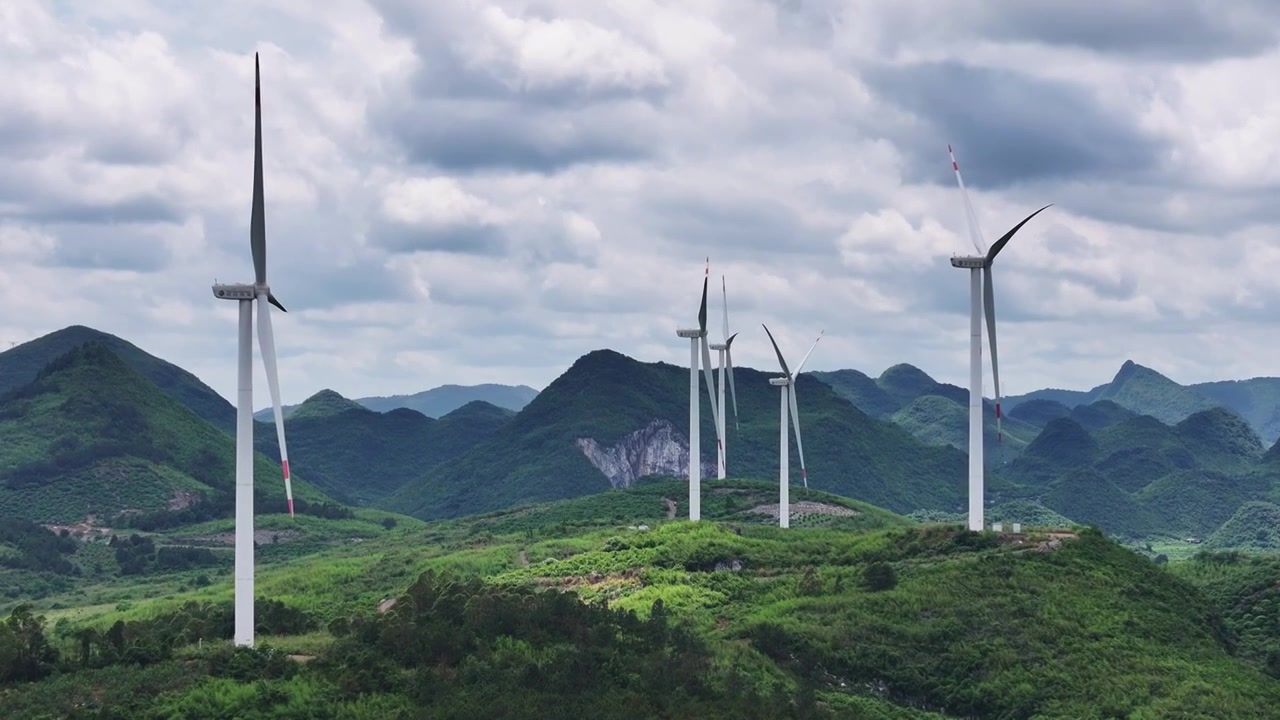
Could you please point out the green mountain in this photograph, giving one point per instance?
(1140, 476)
(1088, 497)
(360, 456)
(1253, 526)
(1039, 411)
(1100, 414)
(91, 436)
(938, 420)
(1198, 502)
(1062, 446)
(935, 413)
(438, 402)
(325, 403)
(1146, 392)
(1256, 400)
(863, 391)
(631, 417)
(20, 365)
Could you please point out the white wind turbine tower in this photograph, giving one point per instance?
(698, 340)
(786, 385)
(245, 295)
(726, 361)
(980, 300)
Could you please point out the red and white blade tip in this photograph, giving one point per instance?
(284, 465)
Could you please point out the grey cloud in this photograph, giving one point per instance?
(111, 248)
(1210, 210)
(1194, 30)
(467, 239)
(141, 209)
(1008, 128)
(465, 135)
(751, 227)
(122, 149)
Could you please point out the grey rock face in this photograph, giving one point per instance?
(656, 449)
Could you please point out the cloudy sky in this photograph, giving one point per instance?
(483, 190)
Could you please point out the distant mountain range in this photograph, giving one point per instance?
(439, 401)
(1138, 456)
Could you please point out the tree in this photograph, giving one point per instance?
(879, 576)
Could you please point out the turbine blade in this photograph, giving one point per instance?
(733, 393)
(267, 343)
(806, 355)
(724, 296)
(1004, 240)
(257, 221)
(711, 387)
(975, 233)
(989, 304)
(781, 362)
(272, 299)
(795, 425)
(702, 311)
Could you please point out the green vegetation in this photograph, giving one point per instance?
(570, 609)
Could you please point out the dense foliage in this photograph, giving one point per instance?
(533, 607)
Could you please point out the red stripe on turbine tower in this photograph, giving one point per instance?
(285, 464)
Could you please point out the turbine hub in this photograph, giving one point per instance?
(969, 262)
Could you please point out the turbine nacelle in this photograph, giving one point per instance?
(246, 292)
(970, 262)
(780, 382)
(235, 292)
(691, 333)
(718, 346)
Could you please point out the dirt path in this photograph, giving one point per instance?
(524, 558)
(671, 508)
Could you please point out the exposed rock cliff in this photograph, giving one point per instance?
(657, 449)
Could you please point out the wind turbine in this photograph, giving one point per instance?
(246, 295)
(786, 385)
(726, 360)
(981, 293)
(698, 340)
